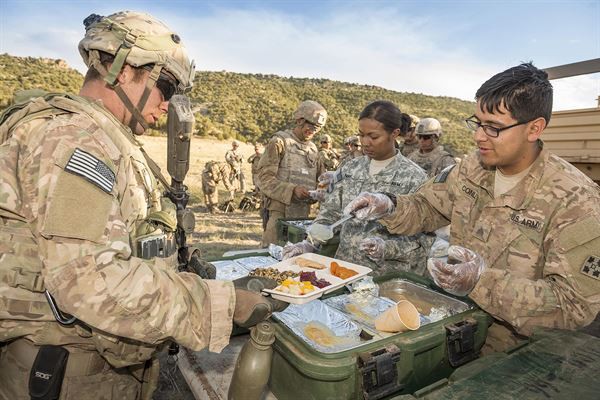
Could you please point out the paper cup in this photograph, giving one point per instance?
(399, 318)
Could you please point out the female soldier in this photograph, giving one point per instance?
(382, 168)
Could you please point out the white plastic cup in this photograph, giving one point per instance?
(399, 318)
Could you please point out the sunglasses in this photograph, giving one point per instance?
(424, 137)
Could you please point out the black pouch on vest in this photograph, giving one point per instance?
(47, 373)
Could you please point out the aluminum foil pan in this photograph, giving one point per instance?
(229, 270)
(361, 307)
(324, 328)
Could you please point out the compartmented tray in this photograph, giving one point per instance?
(229, 270)
(325, 273)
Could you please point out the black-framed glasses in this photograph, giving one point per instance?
(489, 130)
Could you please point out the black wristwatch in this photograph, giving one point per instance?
(392, 197)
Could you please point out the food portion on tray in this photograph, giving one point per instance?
(316, 275)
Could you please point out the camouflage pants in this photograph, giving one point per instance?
(211, 198)
(87, 375)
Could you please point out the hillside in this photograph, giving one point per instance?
(251, 107)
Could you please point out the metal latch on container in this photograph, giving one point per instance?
(461, 342)
(379, 372)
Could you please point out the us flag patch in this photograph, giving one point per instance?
(591, 267)
(92, 169)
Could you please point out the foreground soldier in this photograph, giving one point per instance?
(235, 159)
(215, 172)
(77, 201)
(329, 157)
(431, 156)
(525, 223)
(289, 168)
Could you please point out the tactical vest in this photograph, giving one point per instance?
(299, 165)
(21, 282)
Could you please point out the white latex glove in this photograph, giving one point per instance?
(326, 181)
(373, 247)
(293, 250)
(370, 206)
(317, 195)
(459, 278)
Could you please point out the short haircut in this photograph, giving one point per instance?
(524, 90)
(107, 59)
(385, 112)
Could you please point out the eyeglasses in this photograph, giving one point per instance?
(166, 86)
(489, 130)
(312, 127)
(424, 137)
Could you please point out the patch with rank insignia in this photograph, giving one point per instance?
(92, 169)
(591, 267)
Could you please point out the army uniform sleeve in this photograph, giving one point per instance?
(87, 260)
(567, 296)
(331, 209)
(268, 166)
(426, 210)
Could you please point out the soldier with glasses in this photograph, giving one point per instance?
(525, 232)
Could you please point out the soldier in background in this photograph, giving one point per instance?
(289, 168)
(382, 168)
(214, 173)
(329, 157)
(78, 201)
(354, 150)
(253, 160)
(525, 224)
(235, 159)
(410, 143)
(431, 155)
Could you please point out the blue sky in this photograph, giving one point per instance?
(442, 48)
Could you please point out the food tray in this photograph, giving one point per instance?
(290, 265)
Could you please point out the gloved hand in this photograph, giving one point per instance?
(251, 307)
(457, 278)
(202, 268)
(373, 247)
(317, 195)
(370, 206)
(292, 250)
(326, 181)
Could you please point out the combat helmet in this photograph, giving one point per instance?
(429, 126)
(354, 140)
(235, 143)
(414, 120)
(325, 138)
(140, 40)
(312, 112)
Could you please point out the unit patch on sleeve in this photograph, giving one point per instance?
(591, 267)
(92, 169)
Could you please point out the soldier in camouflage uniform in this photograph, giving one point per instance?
(382, 168)
(77, 202)
(410, 143)
(215, 172)
(235, 159)
(253, 160)
(354, 150)
(289, 168)
(329, 157)
(431, 156)
(530, 216)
